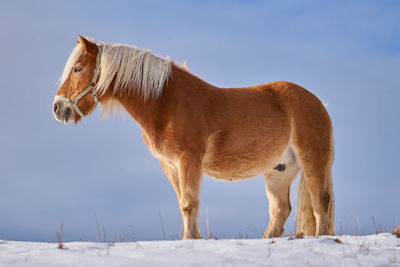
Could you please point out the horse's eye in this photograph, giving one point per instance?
(78, 69)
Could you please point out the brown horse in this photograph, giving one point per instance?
(193, 127)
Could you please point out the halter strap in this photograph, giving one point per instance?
(91, 87)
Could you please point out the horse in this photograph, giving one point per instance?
(195, 128)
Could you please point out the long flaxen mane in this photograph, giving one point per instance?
(135, 70)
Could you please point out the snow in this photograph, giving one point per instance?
(372, 250)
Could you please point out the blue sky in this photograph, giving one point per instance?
(345, 52)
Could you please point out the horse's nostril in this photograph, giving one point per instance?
(55, 107)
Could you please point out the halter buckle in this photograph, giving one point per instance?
(94, 96)
(93, 84)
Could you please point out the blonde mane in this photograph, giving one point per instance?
(135, 70)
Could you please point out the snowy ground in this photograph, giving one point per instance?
(373, 250)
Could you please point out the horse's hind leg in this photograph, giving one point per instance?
(316, 160)
(312, 140)
(277, 184)
(317, 175)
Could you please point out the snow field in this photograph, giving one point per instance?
(372, 250)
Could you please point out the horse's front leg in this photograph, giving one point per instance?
(189, 171)
(171, 171)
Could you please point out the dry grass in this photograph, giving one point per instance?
(162, 226)
(59, 234)
(101, 233)
(396, 231)
(378, 229)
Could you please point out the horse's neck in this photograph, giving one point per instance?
(142, 111)
(148, 113)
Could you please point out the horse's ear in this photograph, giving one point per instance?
(87, 45)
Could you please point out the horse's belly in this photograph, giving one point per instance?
(237, 166)
(234, 157)
(233, 173)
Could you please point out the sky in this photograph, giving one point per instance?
(99, 174)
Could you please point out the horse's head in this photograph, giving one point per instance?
(76, 97)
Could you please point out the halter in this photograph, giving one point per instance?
(91, 87)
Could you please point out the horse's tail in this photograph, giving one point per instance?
(305, 219)
(331, 210)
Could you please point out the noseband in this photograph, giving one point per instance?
(91, 87)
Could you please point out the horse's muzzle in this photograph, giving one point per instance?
(63, 112)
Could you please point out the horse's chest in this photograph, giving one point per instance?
(160, 148)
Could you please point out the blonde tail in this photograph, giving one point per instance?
(305, 220)
(331, 209)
